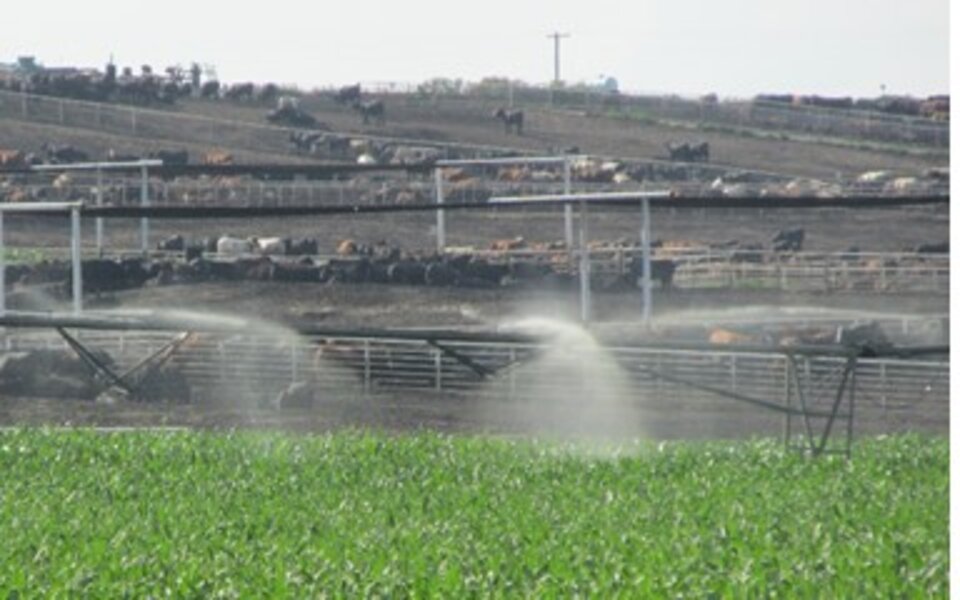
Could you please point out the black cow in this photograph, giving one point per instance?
(933, 248)
(661, 270)
(482, 274)
(373, 110)
(687, 152)
(174, 243)
(63, 153)
(302, 246)
(512, 119)
(441, 274)
(346, 271)
(788, 240)
(349, 94)
(407, 272)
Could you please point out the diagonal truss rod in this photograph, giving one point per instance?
(97, 366)
(660, 374)
(846, 385)
(124, 381)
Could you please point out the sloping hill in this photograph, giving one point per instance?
(242, 129)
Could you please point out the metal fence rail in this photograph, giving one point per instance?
(260, 367)
(248, 192)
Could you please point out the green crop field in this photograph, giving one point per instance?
(358, 514)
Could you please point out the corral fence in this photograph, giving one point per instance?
(699, 268)
(259, 368)
(378, 189)
(735, 115)
(696, 269)
(180, 128)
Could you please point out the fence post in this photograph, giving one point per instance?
(441, 223)
(3, 274)
(366, 366)
(144, 202)
(733, 372)
(883, 388)
(76, 259)
(438, 365)
(99, 221)
(567, 207)
(133, 120)
(62, 119)
(513, 373)
(294, 370)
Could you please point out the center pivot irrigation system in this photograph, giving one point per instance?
(468, 348)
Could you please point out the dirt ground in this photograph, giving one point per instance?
(546, 131)
(601, 135)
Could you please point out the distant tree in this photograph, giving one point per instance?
(195, 72)
(441, 86)
(175, 74)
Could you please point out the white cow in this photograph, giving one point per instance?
(234, 246)
(273, 246)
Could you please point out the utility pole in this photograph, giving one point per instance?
(557, 36)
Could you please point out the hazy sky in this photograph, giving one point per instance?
(731, 47)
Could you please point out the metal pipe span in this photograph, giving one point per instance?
(149, 321)
(678, 202)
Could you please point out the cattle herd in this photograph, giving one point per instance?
(509, 263)
(935, 107)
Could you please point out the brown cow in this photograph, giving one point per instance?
(347, 247)
(12, 158)
(799, 336)
(456, 174)
(505, 245)
(723, 336)
(513, 174)
(217, 157)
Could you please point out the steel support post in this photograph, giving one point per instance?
(441, 222)
(3, 270)
(584, 266)
(144, 202)
(811, 439)
(76, 260)
(645, 246)
(99, 221)
(852, 399)
(787, 403)
(567, 208)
